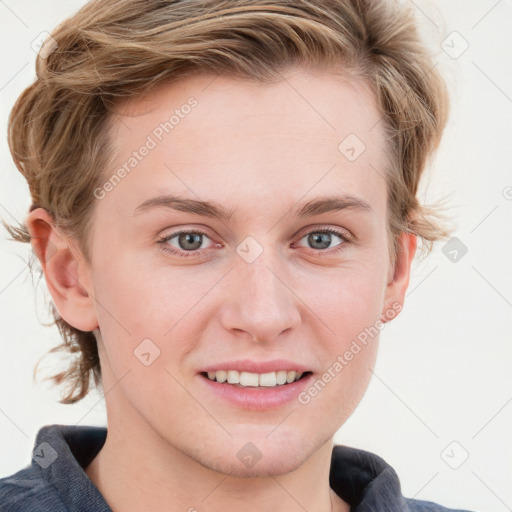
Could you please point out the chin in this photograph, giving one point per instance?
(261, 451)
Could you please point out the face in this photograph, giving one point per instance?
(281, 272)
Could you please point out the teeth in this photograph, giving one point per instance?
(233, 377)
(268, 379)
(220, 376)
(281, 376)
(244, 379)
(248, 379)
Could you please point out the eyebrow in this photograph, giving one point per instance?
(204, 208)
(325, 204)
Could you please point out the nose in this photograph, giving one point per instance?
(261, 303)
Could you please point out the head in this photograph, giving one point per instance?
(261, 109)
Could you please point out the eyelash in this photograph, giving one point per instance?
(346, 239)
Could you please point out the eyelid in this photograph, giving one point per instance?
(199, 228)
(337, 230)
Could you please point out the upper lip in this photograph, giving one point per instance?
(246, 365)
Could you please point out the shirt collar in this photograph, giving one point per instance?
(62, 451)
(365, 481)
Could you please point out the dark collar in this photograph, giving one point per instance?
(365, 481)
(62, 451)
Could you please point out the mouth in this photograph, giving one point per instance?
(256, 391)
(255, 385)
(243, 379)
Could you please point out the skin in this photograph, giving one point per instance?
(260, 150)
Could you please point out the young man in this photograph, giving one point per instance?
(224, 199)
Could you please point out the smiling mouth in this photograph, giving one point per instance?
(255, 380)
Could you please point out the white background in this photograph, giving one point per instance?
(444, 368)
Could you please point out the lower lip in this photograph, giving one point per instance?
(258, 399)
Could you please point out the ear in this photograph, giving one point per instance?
(65, 271)
(398, 276)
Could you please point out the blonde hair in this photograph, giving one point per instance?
(115, 49)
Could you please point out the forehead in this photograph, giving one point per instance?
(209, 135)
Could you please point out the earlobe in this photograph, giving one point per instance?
(401, 271)
(64, 271)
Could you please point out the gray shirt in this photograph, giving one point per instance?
(55, 481)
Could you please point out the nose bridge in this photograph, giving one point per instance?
(261, 303)
(262, 282)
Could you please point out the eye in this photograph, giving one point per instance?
(322, 239)
(189, 243)
(184, 243)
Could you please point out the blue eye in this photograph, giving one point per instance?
(322, 239)
(189, 242)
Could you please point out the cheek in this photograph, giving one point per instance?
(139, 298)
(348, 299)
(349, 302)
(137, 303)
